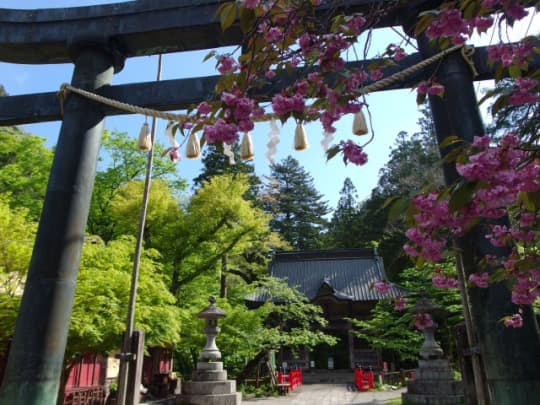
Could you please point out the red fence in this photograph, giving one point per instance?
(291, 380)
(363, 381)
(87, 371)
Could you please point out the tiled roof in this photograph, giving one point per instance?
(347, 274)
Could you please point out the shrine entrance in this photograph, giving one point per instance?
(97, 40)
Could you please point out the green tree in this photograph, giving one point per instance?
(285, 320)
(217, 163)
(297, 209)
(122, 162)
(25, 164)
(102, 295)
(343, 227)
(17, 233)
(218, 221)
(394, 333)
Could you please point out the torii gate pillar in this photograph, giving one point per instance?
(510, 356)
(36, 356)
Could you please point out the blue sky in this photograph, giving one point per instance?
(392, 111)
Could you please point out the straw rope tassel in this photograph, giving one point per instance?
(300, 138)
(246, 148)
(193, 148)
(145, 138)
(359, 124)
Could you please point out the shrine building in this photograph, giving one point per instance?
(340, 281)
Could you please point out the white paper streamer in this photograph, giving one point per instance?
(273, 140)
(227, 151)
(328, 137)
(169, 133)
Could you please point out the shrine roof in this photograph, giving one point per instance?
(346, 274)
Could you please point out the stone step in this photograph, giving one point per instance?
(209, 375)
(432, 399)
(430, 387)
(224, 399)
(209, 387)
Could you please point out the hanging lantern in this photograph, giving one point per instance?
(300, 138)
(359, 124)
(193, 148)
(145, 138)
(246, 148)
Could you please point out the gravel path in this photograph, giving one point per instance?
(328, 394)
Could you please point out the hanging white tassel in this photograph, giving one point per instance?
(227, 151)
(328, 137)
(145, 138)
(359, 124)
(193, 148)
(246, 148)
(300, 138)
(273, 140)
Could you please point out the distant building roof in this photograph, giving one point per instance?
(346, 274)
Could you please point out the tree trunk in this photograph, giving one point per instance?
(223, 290)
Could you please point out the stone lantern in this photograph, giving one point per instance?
(211, 314)
(434, 383)
(209, 384)
(430, 348)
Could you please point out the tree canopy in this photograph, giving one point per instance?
(297, 208)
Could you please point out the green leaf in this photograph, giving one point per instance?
(462, 195)
(398, 209)
(514, 71)
(450, 140)
(531, 200)
(247, 20)
(453, 155)
(332, 152)
(227, 15)
(209, 55)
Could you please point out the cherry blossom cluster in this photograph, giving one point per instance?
(503, 173)
(441, 280)
(423, 321)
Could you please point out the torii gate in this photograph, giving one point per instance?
(97, 40)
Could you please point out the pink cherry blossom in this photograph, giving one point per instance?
(204, 108)
(514, 321)
(423, 321)
(353, 153)
(449, 24)
(221, 131)
(227, 64)
(441, 280)
(250, 3)
(382, 286)
(174, 155)
(479, 279)
(400, 304)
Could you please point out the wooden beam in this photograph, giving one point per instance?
(170, 95)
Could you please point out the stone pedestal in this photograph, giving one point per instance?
(209, 387)
(434, 385)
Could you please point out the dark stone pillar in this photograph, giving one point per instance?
(510, 356)
(36, 356)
